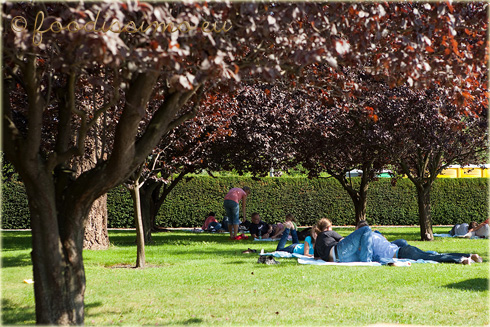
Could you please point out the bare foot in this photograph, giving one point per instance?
(476, 258)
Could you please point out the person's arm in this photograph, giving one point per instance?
(478, 227)
(336, 236)
(306, 250)
(269, 229)
(253, 231)
(244, 207)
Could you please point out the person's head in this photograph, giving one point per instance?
(212, 214)
(290, 217)
(323, 225)
(255, 218)
(473, 224)
(361, 223)
(247, 190)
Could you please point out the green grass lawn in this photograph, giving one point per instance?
(204, 279)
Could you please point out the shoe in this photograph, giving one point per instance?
(269, 260)
(466, 261)
(261, 259)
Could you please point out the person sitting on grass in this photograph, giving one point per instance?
(260, 229)
(331, 246)
(211, 224)
(306, 248)
(384, 251)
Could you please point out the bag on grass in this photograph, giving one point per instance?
(267, 259)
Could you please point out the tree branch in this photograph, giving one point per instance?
(35, 110)
(159, 124)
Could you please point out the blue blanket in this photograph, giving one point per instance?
(270, 239)
(459, 236)
(305, 260)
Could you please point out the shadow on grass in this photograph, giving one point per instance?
(128, 238)
(20, 260)
(190, 321)
(15, 241)
(475, 284)
(17, 315)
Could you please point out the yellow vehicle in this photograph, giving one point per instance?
(471, 171)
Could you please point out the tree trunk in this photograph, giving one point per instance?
(140, 234)
(359, 198)
(423, 200)
(96, 236)
(57, 244)
(360, 204)
(148, 204)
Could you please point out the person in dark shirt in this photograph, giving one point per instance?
(333, 247)
(258, 228)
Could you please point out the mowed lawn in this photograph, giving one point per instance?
(205, 279)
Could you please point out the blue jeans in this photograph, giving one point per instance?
(224, 223)
(414, 253)
(284, 238)
(214, 225)
(232, 211)
(356, 246)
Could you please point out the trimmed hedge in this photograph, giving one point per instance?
(452, 201)
(15, 208)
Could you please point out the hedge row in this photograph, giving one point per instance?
(452, 201)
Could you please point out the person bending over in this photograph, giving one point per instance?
(232, 208)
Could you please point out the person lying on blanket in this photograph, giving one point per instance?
(383, 250)
(331, 246)
(480, 230)
(306, 248)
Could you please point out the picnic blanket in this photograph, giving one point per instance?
(270, 239)
(305, 260)
(458, 236)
